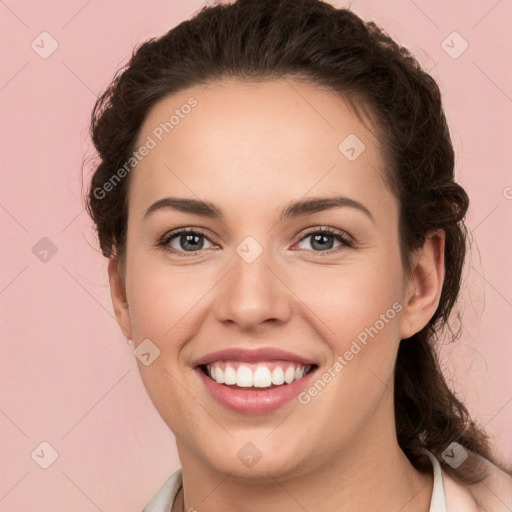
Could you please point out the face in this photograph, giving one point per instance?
(323, 283)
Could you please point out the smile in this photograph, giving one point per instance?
(255, 388)
(261, 375)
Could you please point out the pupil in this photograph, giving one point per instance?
(189, 237)
(317, 238)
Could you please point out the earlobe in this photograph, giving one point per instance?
(119, 300)
(423, 290)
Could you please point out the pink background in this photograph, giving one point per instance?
(67, 375)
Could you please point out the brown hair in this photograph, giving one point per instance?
(313, 41)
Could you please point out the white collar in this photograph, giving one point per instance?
(438, 500)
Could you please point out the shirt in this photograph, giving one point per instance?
(164, 498)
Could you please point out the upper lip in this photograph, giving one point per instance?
(251, 356)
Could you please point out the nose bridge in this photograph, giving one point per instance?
(251, 292)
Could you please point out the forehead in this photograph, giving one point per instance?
(255, 140)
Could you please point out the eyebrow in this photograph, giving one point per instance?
(294, 209)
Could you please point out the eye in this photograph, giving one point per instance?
(320, 238)
(191, 240)
(183, 241)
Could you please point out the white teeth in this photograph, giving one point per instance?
(219, 375)
(262, 377)
(229, 375)
(244, 377)
(289, 375)
(277, 376)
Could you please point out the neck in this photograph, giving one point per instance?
(371, 474)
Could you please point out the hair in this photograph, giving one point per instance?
(314, 42)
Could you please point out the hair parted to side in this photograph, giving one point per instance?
(312, 41)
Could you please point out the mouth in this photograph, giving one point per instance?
(256, 377)
(255, 388)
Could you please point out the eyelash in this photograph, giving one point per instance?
(338, 234)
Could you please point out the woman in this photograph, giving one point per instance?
(285, 237)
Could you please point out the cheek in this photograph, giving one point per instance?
(357, 308)
(347, 300)
(162, 311)
(362, 311)
(162, 300)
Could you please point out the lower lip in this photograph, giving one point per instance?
(257, 401)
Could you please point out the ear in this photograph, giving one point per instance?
(424, 287)
(119, 301)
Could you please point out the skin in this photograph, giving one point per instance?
(251, 149)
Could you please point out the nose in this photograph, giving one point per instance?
(254, 293)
